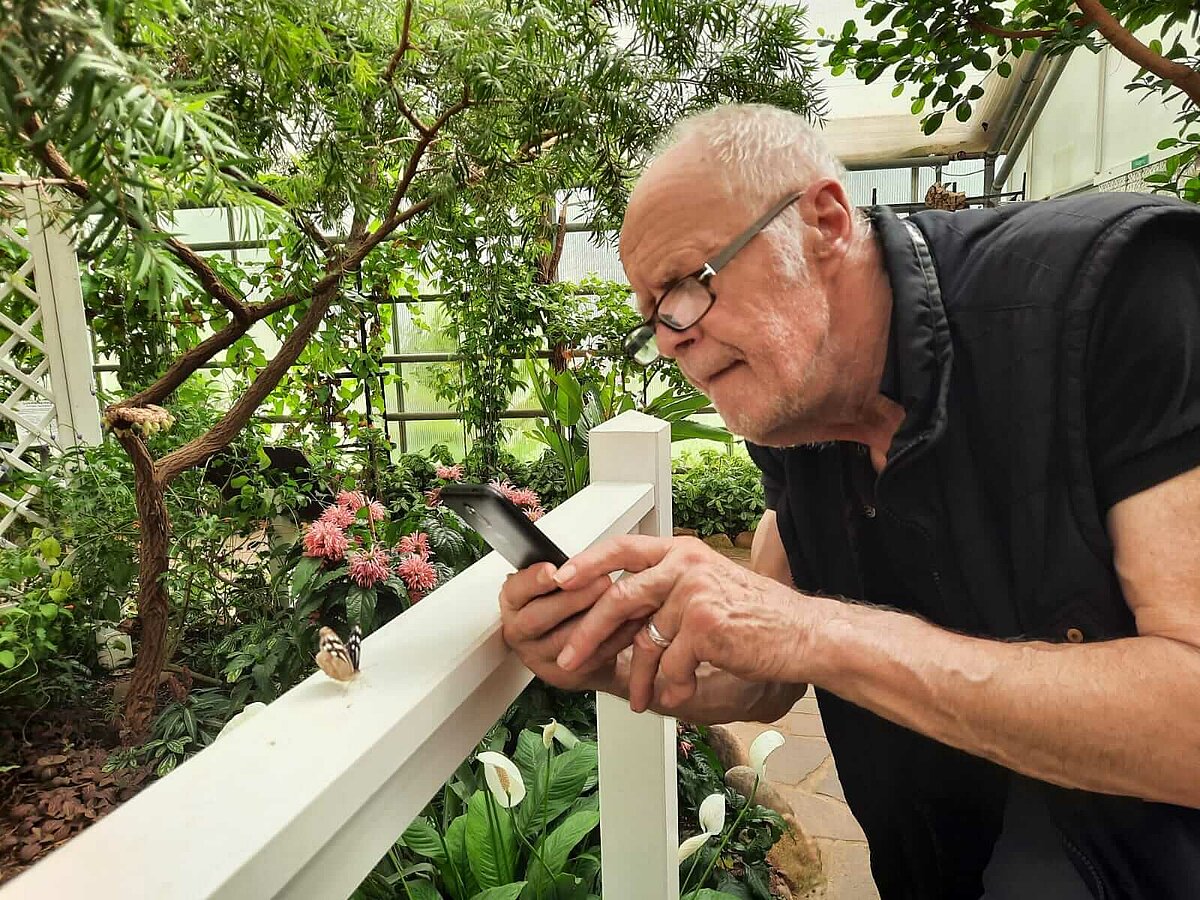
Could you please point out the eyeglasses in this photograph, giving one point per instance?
(687, 300)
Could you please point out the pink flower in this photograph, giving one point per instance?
(534, 514)
(450, 473)
(418, 574)
(337, 515)
(417, 543)
(352, 500)
(505, 488)
(367, 567)
(433, 497)
(376, 511)
(525, 497)
(325, 540)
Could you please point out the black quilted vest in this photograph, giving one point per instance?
(989, 500)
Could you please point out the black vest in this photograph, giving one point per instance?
(989, 505)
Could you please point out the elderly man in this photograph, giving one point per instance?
(979, 434)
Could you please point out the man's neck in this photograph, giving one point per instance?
(867, 321)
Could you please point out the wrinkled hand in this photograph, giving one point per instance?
(538, 618)
(710, 608)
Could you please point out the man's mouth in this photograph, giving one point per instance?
(720, 373)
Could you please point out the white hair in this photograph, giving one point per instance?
(760, 153)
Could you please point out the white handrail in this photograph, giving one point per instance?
(304, 798)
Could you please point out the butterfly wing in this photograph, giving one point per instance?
(336, 659)
(354, 646)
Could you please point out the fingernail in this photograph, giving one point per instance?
(565, 574)
(566, 657)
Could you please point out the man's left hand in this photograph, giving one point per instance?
(710, 609)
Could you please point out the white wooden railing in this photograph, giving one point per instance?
(304, 798)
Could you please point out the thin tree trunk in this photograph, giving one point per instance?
(152, 600)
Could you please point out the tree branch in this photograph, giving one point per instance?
(415, 160)
(1124, 42)
(218, 437)
(404, 47)
(1011, 34)
(305, 224)
(193, 359)
(58, 164)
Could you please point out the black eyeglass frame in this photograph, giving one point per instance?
(702, 276)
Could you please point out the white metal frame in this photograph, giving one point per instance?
(304, 798)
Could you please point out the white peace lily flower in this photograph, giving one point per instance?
(692, 844)
(548, 733)
(503, 778)
(712, 814)
(764, 745)
(712, 820)
(564, 736)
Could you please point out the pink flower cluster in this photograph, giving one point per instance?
(450, 473)
(369, 567)
(415, 569)
(528, 500)
(327, 539)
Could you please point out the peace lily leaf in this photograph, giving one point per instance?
(491, 844)
(421, 837)
(507, 892)
(456, 841)
(420, 890)
(556, 847)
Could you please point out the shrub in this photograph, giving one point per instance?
(719, 493)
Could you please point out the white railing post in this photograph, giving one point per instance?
(65, 330)
(639, 816)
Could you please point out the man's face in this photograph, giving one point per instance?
(754, 353)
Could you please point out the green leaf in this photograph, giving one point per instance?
(360, 607)
(58, 595)
(305, 569)
(1004, 68)
(982, 60)
(50, 549)
(898, 90)
(491, 843)
(49, 611)
(419, 890)
(933, 123)
(963, 111)
(683, 431)
(421, 837)
(710, 894)
(507, 892)
(8, 659)
(456, 841)
(558, 845)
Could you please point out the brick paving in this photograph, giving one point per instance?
(803, 771)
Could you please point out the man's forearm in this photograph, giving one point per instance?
(720, 697)
(1119, 717)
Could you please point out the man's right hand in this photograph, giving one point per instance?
(538, 618)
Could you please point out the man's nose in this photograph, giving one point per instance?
(670, 342)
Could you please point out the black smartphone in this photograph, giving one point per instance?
(502, 524)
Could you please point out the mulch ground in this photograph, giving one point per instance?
(57, 786)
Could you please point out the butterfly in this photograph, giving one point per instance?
(339, 660)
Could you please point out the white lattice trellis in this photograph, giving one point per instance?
(46, 359)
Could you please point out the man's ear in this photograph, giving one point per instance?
(829, 216)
